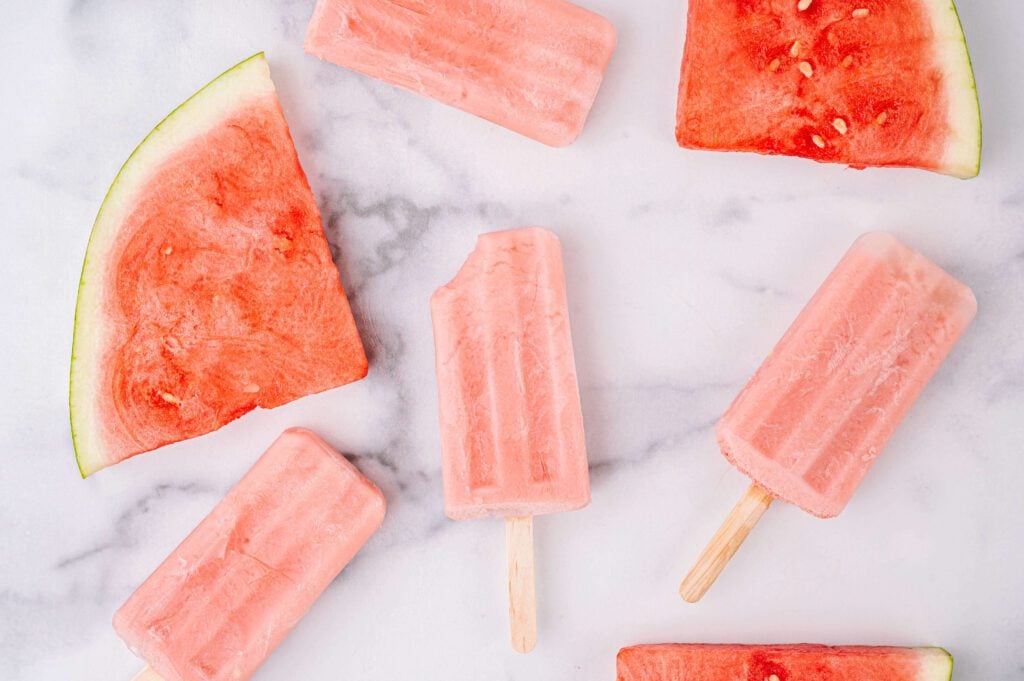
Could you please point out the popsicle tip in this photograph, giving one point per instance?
(524, 644)
(147, 674)
(691, 592)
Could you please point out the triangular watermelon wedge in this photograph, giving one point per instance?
(860, 82)
(208, 287)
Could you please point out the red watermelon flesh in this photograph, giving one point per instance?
(861, 82)
(208, 288)
(802, 662)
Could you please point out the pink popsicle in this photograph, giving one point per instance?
(533, 66)
(512, 439)
(813, 419)
(234, 588)
(511, 426)
(816, 415)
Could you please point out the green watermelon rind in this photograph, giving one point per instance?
(960, 155)
(936, 664)
(230, 90)
(963, 154)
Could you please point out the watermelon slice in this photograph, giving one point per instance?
(208, 287)
(860, 82)
(803, 662)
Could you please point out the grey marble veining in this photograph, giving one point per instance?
(683, 269)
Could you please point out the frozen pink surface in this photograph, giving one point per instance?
(511, 426)
(228, 595)
(812, 420)
(533, 66)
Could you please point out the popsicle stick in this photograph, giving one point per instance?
(725, 543)
(147, 674)
(522, 601)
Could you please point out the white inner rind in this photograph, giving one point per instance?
(936, 664)
(230, 91)
(963, 151)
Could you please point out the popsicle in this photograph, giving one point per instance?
(813, 419)
(226, 597)
(533, 66)
(512, 442)
(703, 662)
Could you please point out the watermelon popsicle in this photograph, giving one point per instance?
(819, 411)
(533, 66)
(702, 662)
(512, 440)
(227, 596)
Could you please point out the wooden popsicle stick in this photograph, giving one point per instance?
(147, 674)
(725, 543)
(522, 601)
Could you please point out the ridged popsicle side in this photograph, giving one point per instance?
(533, 66)
(229, 594)
(511, 425)
(810, 423)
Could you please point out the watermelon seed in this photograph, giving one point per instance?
(818, 142)
(251, 388)
(169, 398)
(773, 677)
(803, 4)
(840, 125)
(795, 49)
(172, 343)
(881, 118)
(806, 69)
(847, 61)
(167, 250)
(861, 12)
(774, 66)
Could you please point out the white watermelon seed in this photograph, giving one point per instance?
(167, 250)
(795, 49)
(803, 4)
(774, 65)
(251, 388)
(881, 118)
(847, 61)
(861, 12)
(806, 69)
(773, 677)
(818, 141)
(840, 125)
(169, 398)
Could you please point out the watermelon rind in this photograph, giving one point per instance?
(936, 664)
(963, 151)
(233, 89)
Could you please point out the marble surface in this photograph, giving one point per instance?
(683, 269)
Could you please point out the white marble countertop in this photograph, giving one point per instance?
(683, 269)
